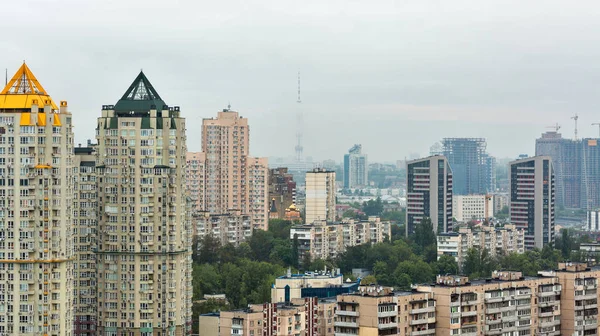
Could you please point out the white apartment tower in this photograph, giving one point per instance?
(532, 198)
(356, 168)
(36, 189)
(144, 231)
(320, 196)
(233, 179)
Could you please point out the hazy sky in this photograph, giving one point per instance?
(395, 76)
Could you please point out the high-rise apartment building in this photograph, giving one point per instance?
(429, 188)
(85, 223)
(233, 179)
(282, 189)
(532, 199)
(566, 159)
(474, 170)
(356, 168)
(590, 174)
(144, 237)
(232, 228)
(194, 174)
(593, 220)
(320, 196)
(472, 207)
(36, 195)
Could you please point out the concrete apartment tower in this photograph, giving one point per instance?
(320, 196)
(144, 233)
(356, 168)
(36, 189)
(429, 193)
(531, 207)
(194, 174)
(233, 179)
(474, 170)
(85, 224)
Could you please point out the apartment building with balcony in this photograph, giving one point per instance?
(194, 174)
(36, 218)
(429, 193)
(144, 235)
(85, 222)
(323, 240)
(231, 228)
(233, 180)
(472, 207)
(319, 203)
(505, 303)
(497, 240)
(306, 316)
(579, 298)
(532, 197)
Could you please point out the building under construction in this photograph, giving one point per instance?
(577, 169)
(473, 169)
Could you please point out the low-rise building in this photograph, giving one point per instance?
(318, 284)
(497, 240)
(323, 240)
(231, 228)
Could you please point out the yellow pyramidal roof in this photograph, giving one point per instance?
(21, 91)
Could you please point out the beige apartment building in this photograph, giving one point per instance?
(36, 195)
(472, 207)
(325, 240)
(232, 228)
(144, 231)
(306, 317)
(194, 174)
(85, 222)
(497, 240)
(233, 180)
(319, 202)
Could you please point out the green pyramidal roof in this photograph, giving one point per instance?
(139, 97)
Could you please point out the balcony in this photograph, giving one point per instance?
(387, 313)
(422, 332)
(549, 293)
(389, 325)
(345, 324)
(469, 313)
(423, 321)
(346, 313)
(423, 310)
(586, 296)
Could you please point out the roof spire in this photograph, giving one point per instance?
(140, 96)
(23, 82)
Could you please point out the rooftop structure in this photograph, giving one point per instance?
(321, 284)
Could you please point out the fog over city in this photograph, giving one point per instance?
(395, 76)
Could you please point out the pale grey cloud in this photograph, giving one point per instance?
(393, 75)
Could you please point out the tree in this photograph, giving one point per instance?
(207, 250)
(373, 207)
(261, 244)
(280, 228)
(446, 265)
(368, 280)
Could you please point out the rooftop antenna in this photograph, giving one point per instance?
(555, 127)
(5, 76)
(299, 100)
(597, 124)
(575, 117)
(299, 148)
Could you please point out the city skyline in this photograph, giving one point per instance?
(461, 74)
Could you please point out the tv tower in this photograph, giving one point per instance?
(299, 148)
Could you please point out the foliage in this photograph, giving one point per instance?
(373, 207)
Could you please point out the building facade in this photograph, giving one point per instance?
(474, 170)
(233, 179)
(472, 207)
(282, 189)
(85, 223)
(323, 240)
(429, 188)
(356, 168)
(593, 220)
(232, 228)
(144, 237)
(194, 173)
(497, 241)
(36, 218)
(590, 175)
(532, 199)
(319, 202)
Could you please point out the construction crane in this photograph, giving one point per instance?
(597, 124)
(575, 117)
(555, 127)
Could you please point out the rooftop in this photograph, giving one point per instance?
(140, 97)
(23, 90)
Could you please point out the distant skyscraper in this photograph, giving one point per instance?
(566, 159)
(473, 169)
(590, 174)
(356, 168)
(532, 199)
(320, 196)
(144, 281)
(429, 188)
(36, 199)
(233, 179)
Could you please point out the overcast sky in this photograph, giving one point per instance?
(395, 76)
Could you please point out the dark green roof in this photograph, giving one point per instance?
(139, 97)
